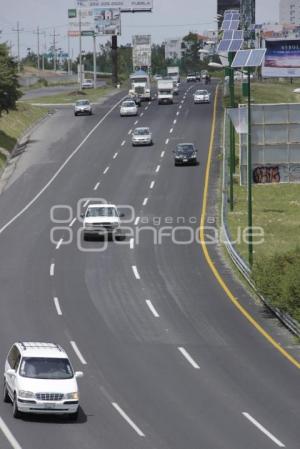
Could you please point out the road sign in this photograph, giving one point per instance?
(87, 33)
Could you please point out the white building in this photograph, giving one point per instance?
(173, 48)
(289, 11)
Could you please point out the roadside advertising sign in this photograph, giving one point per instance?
(87, 22)
(123, 5)
(141, 51)
(107, 21)
(282, 58)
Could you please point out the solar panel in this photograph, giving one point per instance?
(236, 45)
(228, 34)
(256, 57)
(235, 16)
(238, 34)
(234, 24)
(240, 58)
(226, 25)
(249, 58)
(224, 45)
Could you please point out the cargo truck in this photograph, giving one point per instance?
(165, 91)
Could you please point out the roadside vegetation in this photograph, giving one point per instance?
(276, 209)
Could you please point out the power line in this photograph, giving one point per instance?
(54, 35)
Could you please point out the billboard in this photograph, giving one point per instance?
(101, 21)
(107, 21)
(141, 51)
(282, 58)
(123, 5)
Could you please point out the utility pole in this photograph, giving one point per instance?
(18, 30)
(95, 59)
(69, 58)
(54, 35)
(114, 48)
(80, 52)
(37, 32)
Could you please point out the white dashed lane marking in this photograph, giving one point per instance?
(57, 306)
(263, 429)
(52, 269)
(157, 169)
(97, 185)
(145, 201)
(72, 222)
(152, 185)
(152, 308)
(136, 273)
(106, 170)
(78, 353)
(128, 420)
(188, 358)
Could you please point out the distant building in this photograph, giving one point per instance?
(173, 48)
(289, 11)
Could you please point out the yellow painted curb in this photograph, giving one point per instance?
(217, 275)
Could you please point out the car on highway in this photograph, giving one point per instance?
(87, 84)
(128, 107)
(201, 96)
(101, 220)
(83, 107)
(134, 97)
(39, 378)
(191, 77)
(158, 77)
(141, 136)
(185, 154)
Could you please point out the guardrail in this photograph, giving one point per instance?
(242, 266)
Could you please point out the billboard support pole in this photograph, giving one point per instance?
(232, 131)
(114, 48)
(95, 59)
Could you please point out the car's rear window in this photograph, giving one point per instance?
(101, 212)
(128, 104)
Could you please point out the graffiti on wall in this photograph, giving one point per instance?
(266, 175)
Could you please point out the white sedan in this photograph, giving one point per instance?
(141, 136)
(128, 107)
(201, 96)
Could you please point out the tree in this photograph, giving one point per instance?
(9, 92)
(190, 61)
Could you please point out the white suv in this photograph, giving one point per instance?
(39, 378)
(101, 220)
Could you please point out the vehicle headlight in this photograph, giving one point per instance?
(74, 396)
(26, 394)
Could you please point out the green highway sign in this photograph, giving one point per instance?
(87, 33)
(72, 13)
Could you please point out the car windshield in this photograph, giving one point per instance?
(141, 131)
(101, 212)
(82, 103)
(201, 92)
(46, 368)
(128, 104)
(181, 149)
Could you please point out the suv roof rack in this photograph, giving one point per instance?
(26, 345)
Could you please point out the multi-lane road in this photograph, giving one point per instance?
(169, 361)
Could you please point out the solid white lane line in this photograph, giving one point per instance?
(10, 438)
(72, 222)
(152, 185)
(174, 122)
(263, 430)
(157, 169)
(129, 132)
(78, 353)
(52, 268)
(123, 143)
(162, 154)
(115, 155)
(57, 306)
(171, 130)
(145, 201)
(128, 420)
(97, 185)
(48, 184)
(86, 203)
(135, 272)
(106, 170)
(152, 308)
(188, 358)
(167, 141)
(59, 243)
(137, 220)
(131, 243)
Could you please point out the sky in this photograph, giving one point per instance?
(169, 19)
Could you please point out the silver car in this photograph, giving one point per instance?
(201, 96)
(141, 136)
(128, 107)
(83, 107)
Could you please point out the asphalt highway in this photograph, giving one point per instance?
(168, 361)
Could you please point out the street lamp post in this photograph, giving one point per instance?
(249, 162)
(232, 132)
